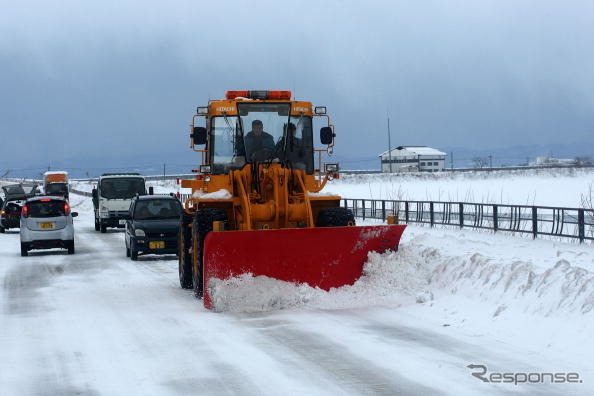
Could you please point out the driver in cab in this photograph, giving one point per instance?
(259, 145)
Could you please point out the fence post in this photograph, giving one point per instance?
(431, 213)
(495, 218)
(461, 214)
(384, 210)
(363, 208)
(534, 222)
(406, 211)
(581, 225)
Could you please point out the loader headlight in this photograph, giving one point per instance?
(139, 232)
(331, 168)
(205, 169)
(321, 110)
(202, 110)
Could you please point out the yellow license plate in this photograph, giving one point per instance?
(157, 245)
(46, 226)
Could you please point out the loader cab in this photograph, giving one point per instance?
(259, 132)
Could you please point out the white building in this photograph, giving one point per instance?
(413, 159)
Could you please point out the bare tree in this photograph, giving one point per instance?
(480, 162)
(588, 198)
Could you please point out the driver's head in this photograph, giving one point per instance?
(257, 127)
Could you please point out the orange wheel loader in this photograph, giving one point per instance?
(256, 206)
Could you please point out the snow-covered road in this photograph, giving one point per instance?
(97, 323)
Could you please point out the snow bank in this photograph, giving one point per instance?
(430, 265)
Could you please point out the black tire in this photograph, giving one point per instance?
(2, 230)
(184, 241)
(133, 254)
(24, 250)
(335, 217)
(71, 249)
(127, 252)
(201, 226)
(103, 228)
(97, 226)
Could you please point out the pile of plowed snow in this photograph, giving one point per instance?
(548, 278)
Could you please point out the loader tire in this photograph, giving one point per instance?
(200, 228)
(335, 217)
(184, 257)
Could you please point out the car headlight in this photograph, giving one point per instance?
(139, 233)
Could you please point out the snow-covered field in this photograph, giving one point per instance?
(543, 187)
(98, 323)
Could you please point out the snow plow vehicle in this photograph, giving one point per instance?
(256, 205)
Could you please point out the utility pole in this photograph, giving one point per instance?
(163, 171)
(490, 161)
(389, 142)
(452, 160)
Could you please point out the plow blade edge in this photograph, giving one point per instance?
(320, 257)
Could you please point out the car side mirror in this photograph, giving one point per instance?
(326, 135)
(199, 136)
(74, 214)
(94, 193)
(151, 190)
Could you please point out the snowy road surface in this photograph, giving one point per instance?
(97, 323)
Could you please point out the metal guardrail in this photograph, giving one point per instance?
(574, 223)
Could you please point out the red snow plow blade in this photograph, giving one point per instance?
(325, 257)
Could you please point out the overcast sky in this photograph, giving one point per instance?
(81, 79)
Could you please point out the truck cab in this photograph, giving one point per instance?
(55, 183)
(112, 197)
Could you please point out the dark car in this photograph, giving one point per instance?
(153, 225)
(10, 215)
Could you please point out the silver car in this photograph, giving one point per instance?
(46, 223)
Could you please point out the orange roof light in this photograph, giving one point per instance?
(237, 94)
(263, 95)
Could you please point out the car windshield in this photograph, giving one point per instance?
(51, 208)
(155, 209)
(56, 188)
(122, 188)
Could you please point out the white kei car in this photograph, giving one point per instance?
(46, 223)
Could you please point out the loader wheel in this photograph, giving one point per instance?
(201, 227)
(184, 258)
(103, 228)
(335, 217)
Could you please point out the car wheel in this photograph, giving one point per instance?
(1, 230)
(103, 228)
(24, 250)
(97, 226)
(127, 252)
(133, 254)
(71, 247)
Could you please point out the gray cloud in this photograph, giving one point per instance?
(84, 79)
